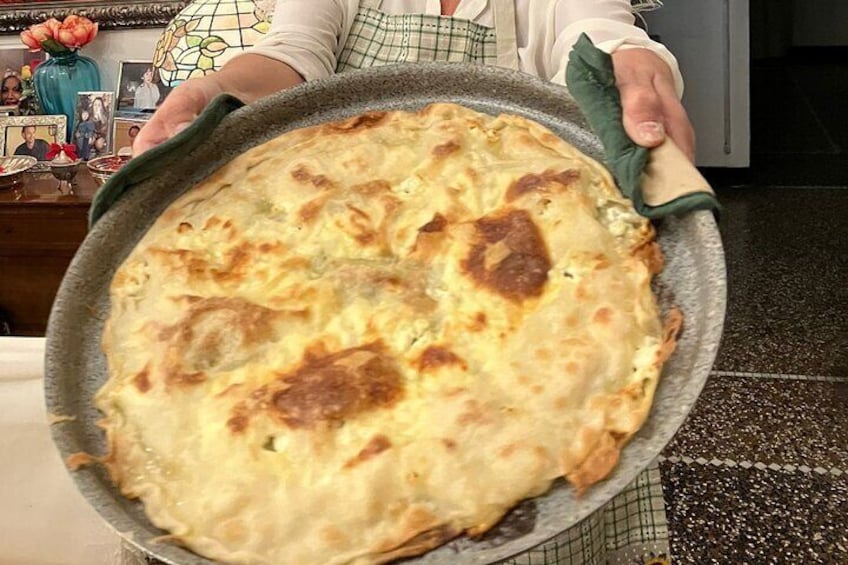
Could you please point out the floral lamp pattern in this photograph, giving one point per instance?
(207, 34)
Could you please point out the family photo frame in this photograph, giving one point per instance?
(124, 133)
(12, 59)
(31, 135)
(93, 117)
(140, 89)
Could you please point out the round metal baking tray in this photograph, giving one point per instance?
(75, 365)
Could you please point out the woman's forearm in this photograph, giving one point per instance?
(249, 77)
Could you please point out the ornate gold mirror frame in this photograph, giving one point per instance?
(109, 14)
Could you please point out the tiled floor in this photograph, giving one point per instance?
(787, 262)
(728, 515)
(759, 472)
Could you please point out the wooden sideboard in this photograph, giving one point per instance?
(40, 230)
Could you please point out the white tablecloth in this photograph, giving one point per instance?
(44, 520)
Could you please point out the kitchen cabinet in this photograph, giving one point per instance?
(710, 39)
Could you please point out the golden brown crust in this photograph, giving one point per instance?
(357, 123)
(336, 387)
(671, 330)
(509, 256)
(399, 325)
(76, 461)
(378, 444)
(58, 418)
(547, 183)
(437, 356)
(142, 379)
(421, 543)
(651, 253)
(598, 465)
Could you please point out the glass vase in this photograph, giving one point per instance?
(60, 78)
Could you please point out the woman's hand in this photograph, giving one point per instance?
(248, 77)
(649, 101)
(178, 110)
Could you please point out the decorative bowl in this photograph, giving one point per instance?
(12, 169)
(65, 172)
(104, 167)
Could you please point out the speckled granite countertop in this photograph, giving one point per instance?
(759, 472)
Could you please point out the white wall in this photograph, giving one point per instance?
(109, 48)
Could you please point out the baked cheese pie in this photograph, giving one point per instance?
(359, 340)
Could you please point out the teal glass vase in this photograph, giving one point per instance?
(60, 78)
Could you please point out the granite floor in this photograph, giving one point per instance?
(759, 471)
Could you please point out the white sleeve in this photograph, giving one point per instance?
(610, 26)
(304, 34)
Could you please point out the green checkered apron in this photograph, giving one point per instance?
(377, 38)
(631, 529)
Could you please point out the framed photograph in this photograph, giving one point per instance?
(12, 58)
(139, 87)
(31, 135)
(125, 131)
(93, 117)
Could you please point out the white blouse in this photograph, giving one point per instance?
(308, 35)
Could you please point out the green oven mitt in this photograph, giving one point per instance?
(591, 82)
(160, 157)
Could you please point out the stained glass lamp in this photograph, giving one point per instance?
(208, 33)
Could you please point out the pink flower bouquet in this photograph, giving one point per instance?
(57, 37)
